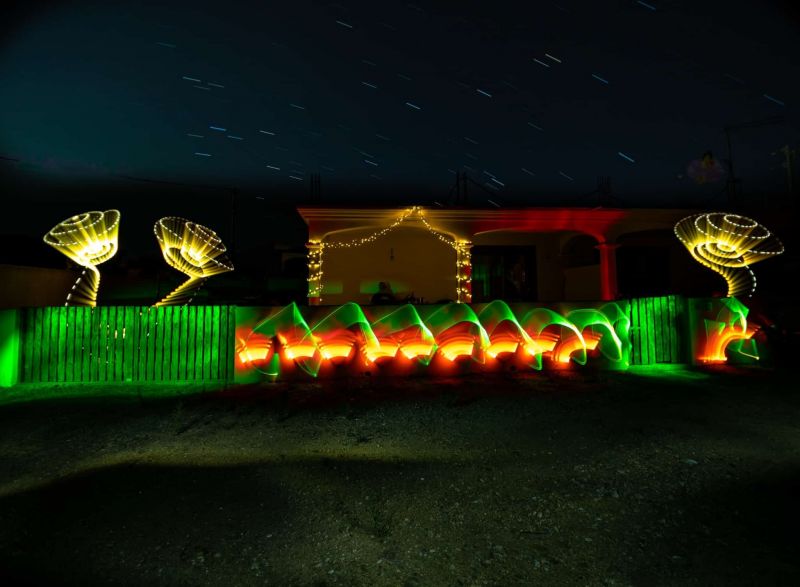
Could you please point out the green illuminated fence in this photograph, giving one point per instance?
(658, 330)
(127, 343)
(196, 343)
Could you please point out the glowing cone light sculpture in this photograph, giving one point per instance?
(88, 239)
(728, 244)
(192, 249)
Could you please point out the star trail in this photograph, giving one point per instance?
(411, 86)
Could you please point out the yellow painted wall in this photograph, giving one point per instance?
(422, 264)
(582, 283)
(34, 286)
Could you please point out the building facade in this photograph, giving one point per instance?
(476, 255)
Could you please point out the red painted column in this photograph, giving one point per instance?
(608, 270)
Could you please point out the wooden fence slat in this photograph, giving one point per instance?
(225, 343)
(111, 343)
(92, 341)
(177, 344)
(640, 332)
(52, 360)
(213, 364)
(26, 324)
(157, 339)
(219, 327)
(43, 343)
(143, 342)
(150, 336)
(102, 349)
(87, 357)
(632, 332)
(59, 335)
(76, 317)
(126, 335)
(133, 332)
(30, 355)
(651, 329)
(94, 345)
(668, 326)
(166, 348)
(68, 342)
(109, 346)
(208, 344)
(119, 342)
(164, 336)
(643, 346)
(191, 338)
(200, 351)
(643, 329)
(138, 327)
(659, 331)
(199, 343)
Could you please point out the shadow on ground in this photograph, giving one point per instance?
(680, 478)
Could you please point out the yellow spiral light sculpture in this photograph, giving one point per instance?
(88, 239)
(192, 249)
(728, 244)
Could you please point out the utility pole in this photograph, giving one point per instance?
(789, 156)
(461, 188)
(234, 194)
(315, 187)
(605, 195)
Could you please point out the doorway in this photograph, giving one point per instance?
(505, 273)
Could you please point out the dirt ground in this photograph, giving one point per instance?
(670, 477)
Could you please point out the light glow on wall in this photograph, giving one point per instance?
(316, 250)
(89, 239)
(728, 244)
(192, 249)
(450, 333)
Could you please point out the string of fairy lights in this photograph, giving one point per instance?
(316, 251)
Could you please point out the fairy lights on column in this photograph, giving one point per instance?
(316, 250)
(463, 272)
(314, 272)
(88, 239)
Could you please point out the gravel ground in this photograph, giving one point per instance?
(673, 477)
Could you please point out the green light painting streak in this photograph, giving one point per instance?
(9, 347)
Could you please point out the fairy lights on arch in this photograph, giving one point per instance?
(192, 249)
(728, 244)
(462, 248)
(89, 239)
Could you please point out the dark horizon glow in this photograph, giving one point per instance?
(547, 98)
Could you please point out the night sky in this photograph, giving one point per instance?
(387, 101)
